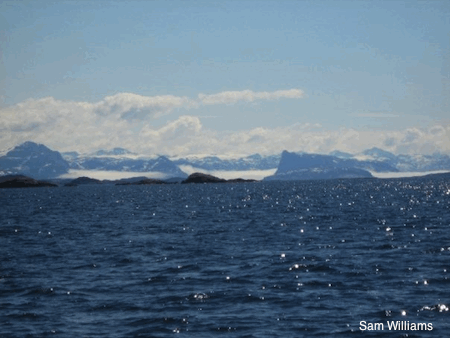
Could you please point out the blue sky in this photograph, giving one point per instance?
(361, 74)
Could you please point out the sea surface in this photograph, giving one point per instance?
(275, 259)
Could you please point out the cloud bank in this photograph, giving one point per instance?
(126, 120)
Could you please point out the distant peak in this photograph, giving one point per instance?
(28, 144)
(378, 152)
(120, 151)
(341, 154)
(114, 151)
(376, 149)
(31, 147)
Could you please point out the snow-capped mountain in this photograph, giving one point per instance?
(406, 163)
(114, 152)
(211, 163)
(38, 161)
(124, 160)
(378, 154)
(294, 166)
(34, 160)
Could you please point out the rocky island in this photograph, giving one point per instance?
(82, 180)
(205, 178)
(145, 181)
(20, 181)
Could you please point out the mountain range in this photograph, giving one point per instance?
(110, 161)
(211, 163)
(38, 161)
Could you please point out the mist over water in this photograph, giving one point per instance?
(275, 259)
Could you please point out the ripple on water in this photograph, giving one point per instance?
(306, 259)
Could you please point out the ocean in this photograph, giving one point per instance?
(338, 258)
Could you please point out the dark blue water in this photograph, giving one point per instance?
(302, 259)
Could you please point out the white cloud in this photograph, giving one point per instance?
(176, 136)
(85, 127)
(139, 106)
(36, 113)
(420, 140)
(231, 97)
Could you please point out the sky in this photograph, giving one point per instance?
(226, 77)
